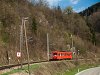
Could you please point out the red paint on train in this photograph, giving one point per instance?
(59, 55)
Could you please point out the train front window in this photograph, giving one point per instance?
(54, 53)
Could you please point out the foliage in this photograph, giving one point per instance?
(4, 34)
(34, 26)
(90, 10)
(41, 3)
(42, 19)
(69, 10)
(92, 19)
(5, 37)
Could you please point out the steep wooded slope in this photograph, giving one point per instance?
(42, 20)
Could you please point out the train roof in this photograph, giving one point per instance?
(61, 51)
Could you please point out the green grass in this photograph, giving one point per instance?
(32, 67)
(1, 65)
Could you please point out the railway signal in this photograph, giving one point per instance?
(18, 54)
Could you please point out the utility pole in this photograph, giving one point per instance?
(72, 47)
(25, 19)
(72, 41)
(21, 41)
(48, 46)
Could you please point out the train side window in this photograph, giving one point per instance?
(62, 54)
(66, 54)
(69, 54)
(59, 54)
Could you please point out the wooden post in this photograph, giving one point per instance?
(27, 47)
(48, 46)
(21, 37)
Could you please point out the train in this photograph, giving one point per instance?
(61, 55)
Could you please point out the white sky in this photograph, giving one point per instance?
(74, 1)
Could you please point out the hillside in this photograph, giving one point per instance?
(90, 10)
(92, 14)
(41, 20)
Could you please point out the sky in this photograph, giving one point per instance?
(77, 5)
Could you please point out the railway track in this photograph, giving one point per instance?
(15, 65)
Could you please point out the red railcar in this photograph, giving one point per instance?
(59, 55)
